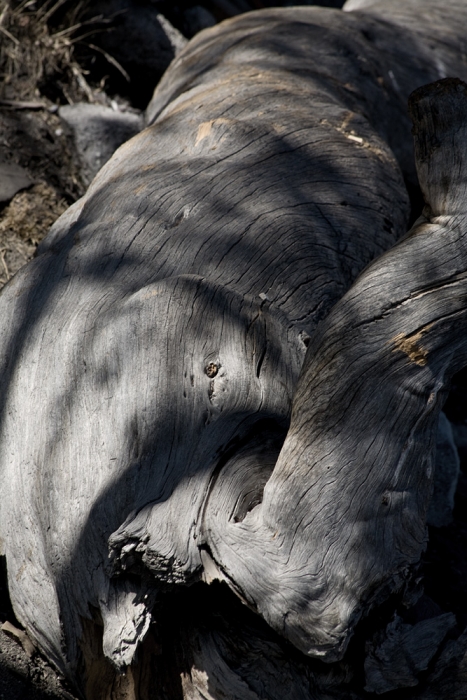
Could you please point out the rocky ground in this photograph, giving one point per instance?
(75, 78)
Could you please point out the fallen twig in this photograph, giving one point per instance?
(5, 266)
(20, 104)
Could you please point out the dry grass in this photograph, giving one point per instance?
(37, 45)
(39, 68)
(35, 52)
(31, 213)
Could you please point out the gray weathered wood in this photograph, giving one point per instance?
(151, 353)
(446, 476)
(352, 469)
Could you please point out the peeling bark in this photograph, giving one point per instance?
(195, 384)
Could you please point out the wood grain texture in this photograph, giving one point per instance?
(352, 469)
(155, 351)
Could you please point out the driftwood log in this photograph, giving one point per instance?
(197, 385)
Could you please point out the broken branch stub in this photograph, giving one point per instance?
(440, 136)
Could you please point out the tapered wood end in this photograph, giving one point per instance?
(439, 115)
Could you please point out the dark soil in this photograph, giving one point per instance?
(39, 142)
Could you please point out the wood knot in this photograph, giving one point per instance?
(211, 370)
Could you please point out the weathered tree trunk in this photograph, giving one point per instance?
(194, 386)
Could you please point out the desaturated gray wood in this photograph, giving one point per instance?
(352, 469)
(446, 476)
(370, 61)
(151, 353)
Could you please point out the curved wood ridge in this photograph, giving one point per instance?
(354, 469)
(152, 353)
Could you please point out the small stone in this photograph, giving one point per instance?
(13, 179)
(98, 131)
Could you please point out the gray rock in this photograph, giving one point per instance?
(459, 431)
(396, 656)
(447, 468)
(141, 40)
(198, 18)
(98, 131)
(448, 678)
(13, 179)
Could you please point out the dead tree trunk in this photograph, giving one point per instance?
(180, 404)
